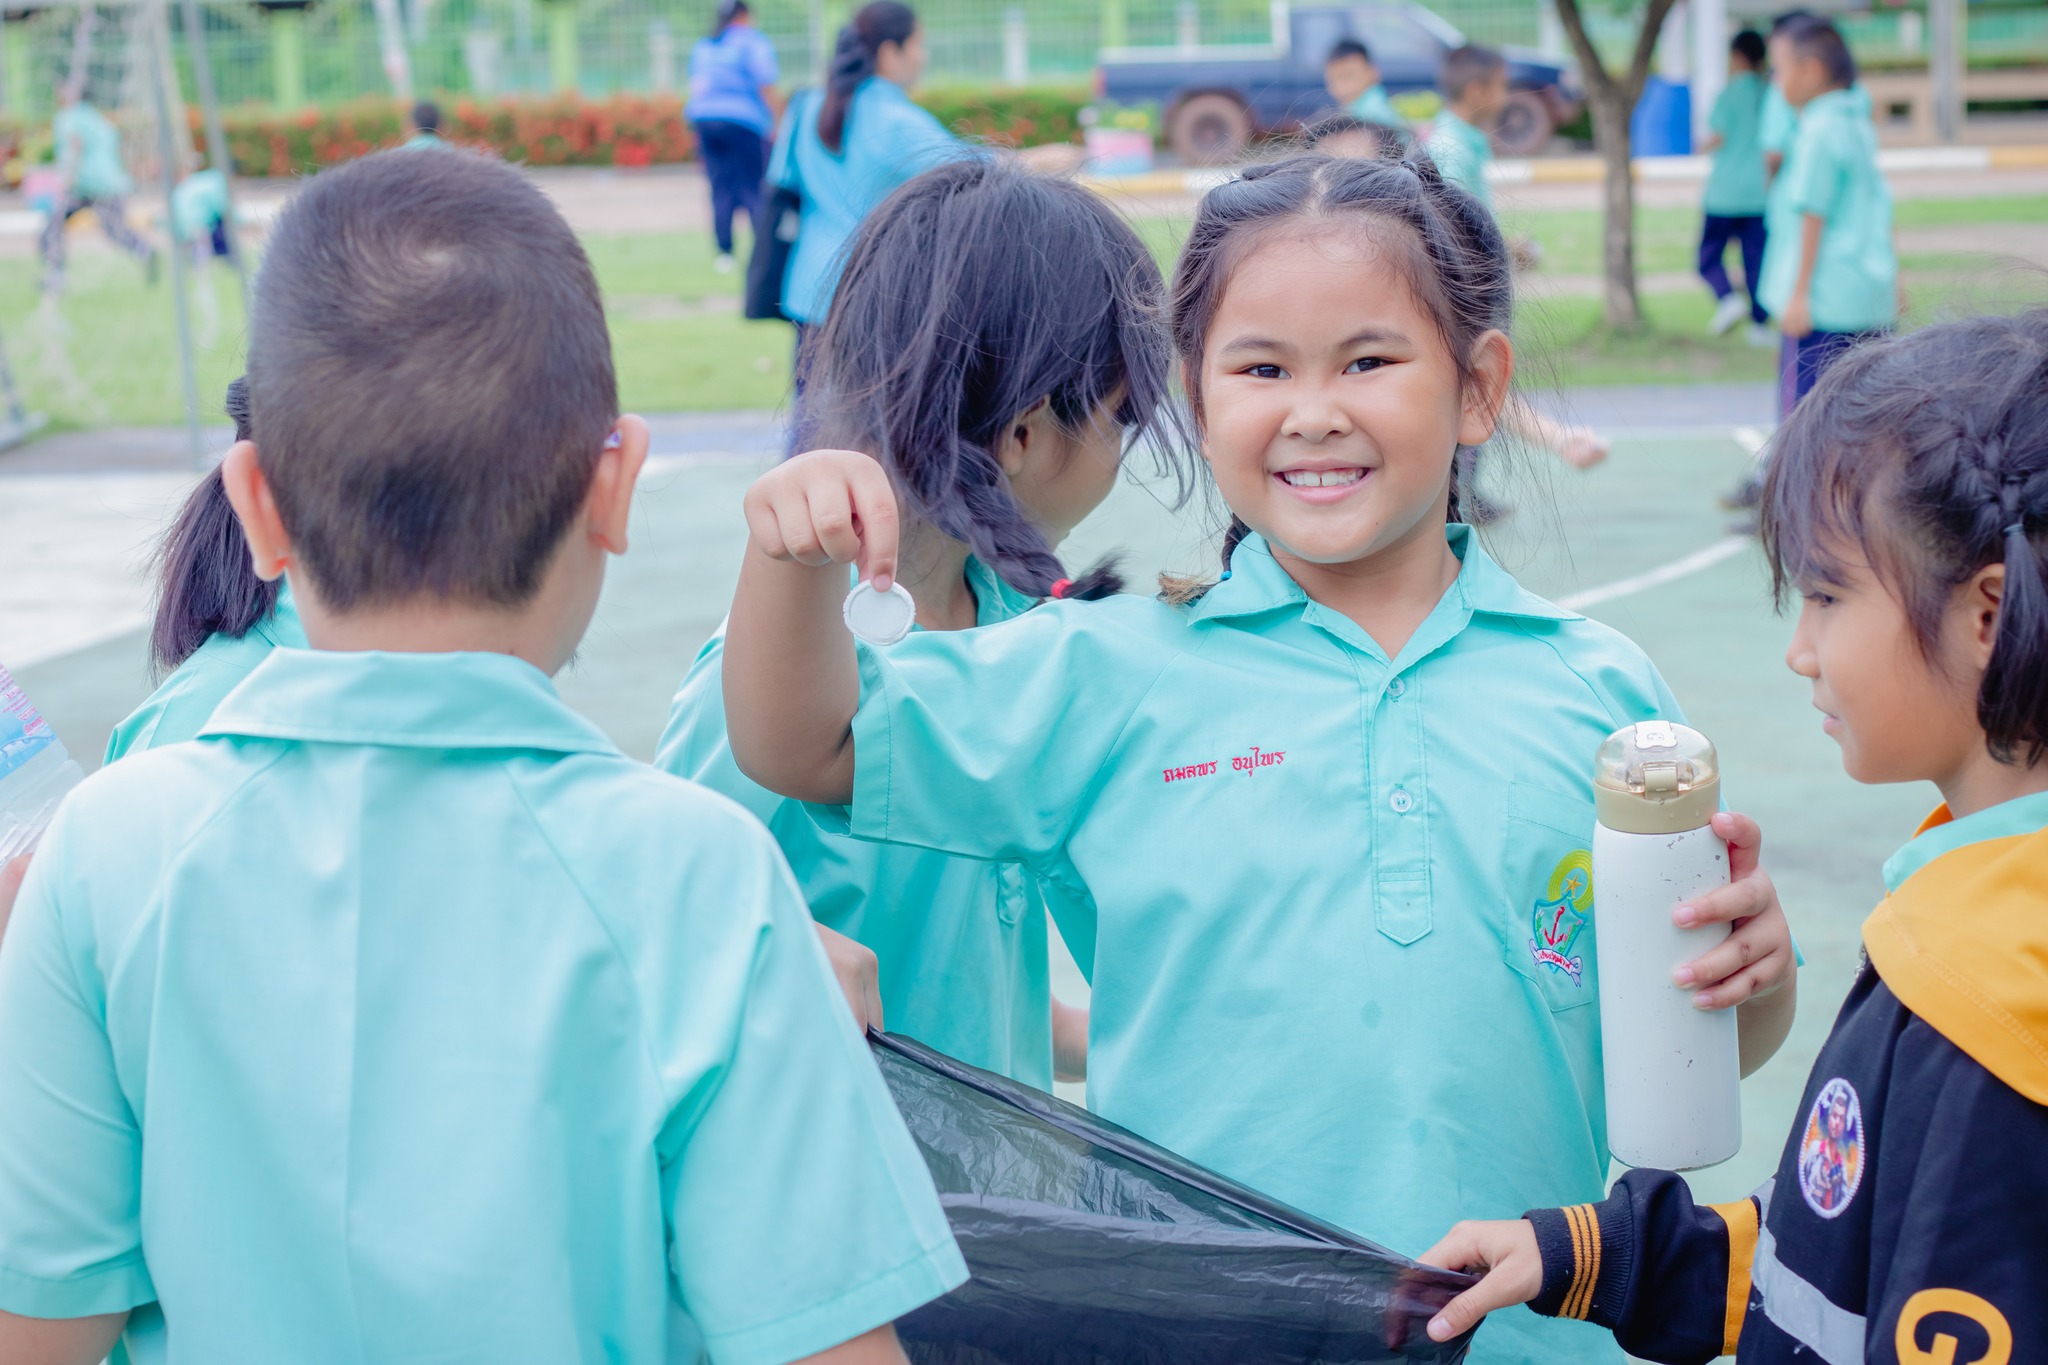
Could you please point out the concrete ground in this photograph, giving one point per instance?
(1642, 533)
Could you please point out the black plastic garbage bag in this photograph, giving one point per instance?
(1091, 1246)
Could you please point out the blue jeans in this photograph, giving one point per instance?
(1714, 238)
(1803, 360)
(736, 162)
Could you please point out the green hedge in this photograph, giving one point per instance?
(1021, 116)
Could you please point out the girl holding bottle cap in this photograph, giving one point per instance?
(998, 389)
(1329, 817)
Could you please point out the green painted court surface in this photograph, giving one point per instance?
(1712, 632)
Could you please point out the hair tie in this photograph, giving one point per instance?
(2018, 528)
(1062, 586)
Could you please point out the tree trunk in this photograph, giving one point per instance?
(1613, 101)
(1622, 309)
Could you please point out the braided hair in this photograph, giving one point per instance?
(1929, 455)
(1451, 249)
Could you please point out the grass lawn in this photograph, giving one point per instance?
(107, 353)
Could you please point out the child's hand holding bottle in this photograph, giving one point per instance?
(1754, 968)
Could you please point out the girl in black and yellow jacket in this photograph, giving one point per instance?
(1907, 504)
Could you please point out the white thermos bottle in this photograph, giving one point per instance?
(1674, 1072)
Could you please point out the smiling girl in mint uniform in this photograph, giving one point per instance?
(1332, 815)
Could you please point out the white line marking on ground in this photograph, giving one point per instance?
(1656, 578)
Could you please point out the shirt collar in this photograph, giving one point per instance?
(1257, 584)
(418, 701)
(1942, 833)
(994, 599)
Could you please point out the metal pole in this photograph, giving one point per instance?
(216, 141)
(1709, 61)
(1945, 65)
(167, 154)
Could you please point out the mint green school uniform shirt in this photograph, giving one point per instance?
(401, 1017)
(1462, 153)
(961, 943)
(1374, 107)
(89, 153)
(1777, 120)
(1335, 907)
(1831, 172)
(183, 702)
(1735, 183)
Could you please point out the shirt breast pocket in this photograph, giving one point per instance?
(1549, 882)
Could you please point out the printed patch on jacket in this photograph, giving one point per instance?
(1831, 1152)
(1558, 921)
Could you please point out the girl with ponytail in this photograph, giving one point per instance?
(1318, 833)
(845, 149)
(215, 619)
(997, 388)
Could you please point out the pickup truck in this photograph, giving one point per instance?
(1214, 100)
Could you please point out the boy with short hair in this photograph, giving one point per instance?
(1735, 194)
(1475, 86)
(400, 1015)
(1831, 274)
(1353, 80)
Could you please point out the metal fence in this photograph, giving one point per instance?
(329, 52)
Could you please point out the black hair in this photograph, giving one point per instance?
(429, 362)
(206, 584)
(1348, 47)
(1816, 37)
(975, 292)
(728, 11)
(1928, 453)
(1447, 241)
(1749, 45)
(853, 61)
(1466, 66)
(1789, 18)
(426, 116)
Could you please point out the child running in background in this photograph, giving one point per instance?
(999, 389)
(1321, 817)
(89, 161)
(399, 1015)
(1907, 505)
(1735, 192)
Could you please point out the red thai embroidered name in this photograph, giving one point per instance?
(1182, 774)
(1245, 763)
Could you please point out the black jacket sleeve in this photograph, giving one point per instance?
(1670, 1278)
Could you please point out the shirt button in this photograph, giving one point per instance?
(1397, 687)
(1401, 801)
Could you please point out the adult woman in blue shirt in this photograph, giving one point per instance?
(732, 109)
(845, 151)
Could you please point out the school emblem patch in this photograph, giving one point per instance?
(1831, 1150)
(1558, 920)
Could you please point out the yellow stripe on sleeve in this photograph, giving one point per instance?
(1742, 1229)
(1585, 1226)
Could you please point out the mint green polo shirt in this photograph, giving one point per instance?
(1777, 120)
(1831, 172)
(1374, 107)
(401, 1017)
(961, 943)
(1462, 153)
(1735, 183)
(89, 153)
(1336, 908)
(183, 702)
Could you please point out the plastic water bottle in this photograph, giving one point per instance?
(35, 771)
(1674, 1071)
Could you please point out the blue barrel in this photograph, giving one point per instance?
(1662, 122)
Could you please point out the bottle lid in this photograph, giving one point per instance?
(880, 618)
(1655, 777)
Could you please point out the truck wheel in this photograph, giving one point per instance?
(1523, 127)
(1207, 130)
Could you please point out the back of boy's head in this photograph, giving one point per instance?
(1927, 457)
(1470, 65)
(1813, 37)
(1348, 49)
(426, 116)
(1749, 45)
(973, 292)
(433, 378)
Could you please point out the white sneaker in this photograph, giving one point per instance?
(1733, 309)
(1761, 337)
(723, 265)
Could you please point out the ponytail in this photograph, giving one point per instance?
(207, 584)
(853, 61)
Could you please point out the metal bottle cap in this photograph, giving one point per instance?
(880, 618)
(1655, 777)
